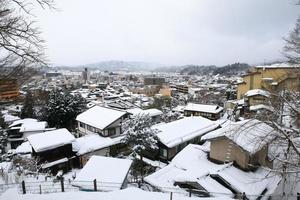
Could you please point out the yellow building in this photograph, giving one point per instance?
(271, 78)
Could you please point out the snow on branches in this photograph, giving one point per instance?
(62, 109)
(139, 135)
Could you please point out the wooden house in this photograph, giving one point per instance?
(245, 143)
(212, 112)
(101, 120)
(176, 135)
(53, 149)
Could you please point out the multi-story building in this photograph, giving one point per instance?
(154, 80)
(9, 89)
(271, 78)
(181, 88)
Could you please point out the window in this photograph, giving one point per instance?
(164, 153)
(111, 131)
(105, 133)
(82, 125)
(90, 128)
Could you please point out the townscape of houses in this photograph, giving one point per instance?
(213, 148)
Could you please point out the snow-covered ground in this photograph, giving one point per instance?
(126, 194)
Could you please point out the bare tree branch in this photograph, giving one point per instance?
(21, 46)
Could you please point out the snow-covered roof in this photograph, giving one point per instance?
(250, 135)
(260, 107)
(110, 172)
(50, 139)
(10, 118)
(237, 101)
(56, 162)
(24, 148)
(100, 117)
(33, 126)
(254, 92)
(203, 108)
(192, 165)
(277, 65)
(182, 130)
(252, 183)
(22, 121)
(178, 109)
(151, 112)
(90, 143)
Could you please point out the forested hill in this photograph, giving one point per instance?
(198, 70)
(232, 69)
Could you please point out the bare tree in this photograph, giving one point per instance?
(292, 47)
(21, 46)
(284, 149)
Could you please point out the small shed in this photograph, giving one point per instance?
(110, 174)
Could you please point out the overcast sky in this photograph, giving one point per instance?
(167, 31)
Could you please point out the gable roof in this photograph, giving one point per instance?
(182, 130)
(192, 165)
(203, 108)
(100, 117)
(50, 139)
(189, 165)
(251, 135)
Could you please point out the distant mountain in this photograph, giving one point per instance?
(117, 65)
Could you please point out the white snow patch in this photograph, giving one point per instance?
(126, 194)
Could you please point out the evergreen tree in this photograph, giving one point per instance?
(28, 107)
(62, 109)
(3, 134)
(139, 136)
(2, 121)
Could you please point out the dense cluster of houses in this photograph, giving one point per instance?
(210, 167)
(203, 149)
